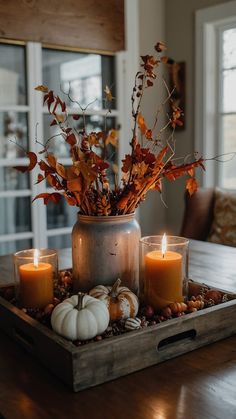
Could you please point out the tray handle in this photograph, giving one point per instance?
(187, 335)
(22, 337)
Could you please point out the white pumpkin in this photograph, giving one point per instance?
(80, 317)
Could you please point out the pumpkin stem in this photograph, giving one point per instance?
(80, 301)
(114, 290)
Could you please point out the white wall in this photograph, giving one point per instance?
(180, 33)
(152, 212)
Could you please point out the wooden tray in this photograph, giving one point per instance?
(98, 362)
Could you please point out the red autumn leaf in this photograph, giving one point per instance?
(33, 161)
(46, 168)
(50, 100)
(148, 134)
(54, 122)
(160, 46)
(76, 117)
(70, 200)
(71, 139)
(149, 83)
(99, 163)
(191, 186)
(42, 88)
(40, 178)
(54, 197)
(127, 163)
(141, 123)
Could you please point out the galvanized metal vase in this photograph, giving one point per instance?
(104, 249)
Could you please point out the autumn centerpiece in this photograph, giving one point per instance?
(105, 238)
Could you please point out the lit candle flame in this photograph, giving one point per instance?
(163, 245)
(36, 258)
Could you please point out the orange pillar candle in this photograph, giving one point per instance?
(163, 278)
(36, 284)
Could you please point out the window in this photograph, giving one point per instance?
(22, 67)
(227, 122)
(215, 118)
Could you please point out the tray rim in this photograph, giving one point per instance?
(73, 349)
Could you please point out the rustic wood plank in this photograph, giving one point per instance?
(90, 24)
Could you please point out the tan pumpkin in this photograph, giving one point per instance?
(120, 301)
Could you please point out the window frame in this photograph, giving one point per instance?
(35, 111)
(209, 23)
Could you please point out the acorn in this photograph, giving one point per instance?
(147, 311)
(214, 295)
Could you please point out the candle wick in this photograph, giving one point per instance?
(163, 255)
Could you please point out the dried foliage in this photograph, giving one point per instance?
(85, 182)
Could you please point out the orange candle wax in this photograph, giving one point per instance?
(163, 278)
(36, 285)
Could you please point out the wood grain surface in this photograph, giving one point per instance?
(197, 385)
(90, 24)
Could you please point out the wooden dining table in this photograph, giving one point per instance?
(198, 385)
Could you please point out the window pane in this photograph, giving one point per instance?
(58, 146)
(229, 91)
(85, 74)
(12, 75)
(229, 48)
(229, 145)
(61, 214)
(13, 127)
(15, 246)
(11, 179)
(59, 242)
(15, 215)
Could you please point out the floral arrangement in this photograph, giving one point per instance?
(85, 183)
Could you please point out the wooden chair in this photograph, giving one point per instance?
(198, 214)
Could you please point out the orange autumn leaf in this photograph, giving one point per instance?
(141, 124)
(61, 171)
(54, 197)
(52, 161)
(59, 117)
(191, 186)
(121, 204)
(112, 138)
(74, 185)
(33, 161)
(108, 94)
(42, 88)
